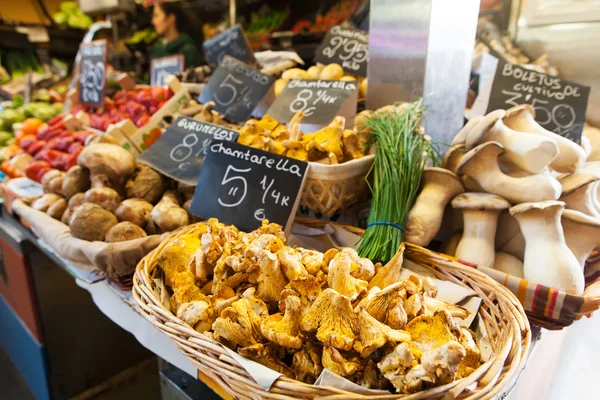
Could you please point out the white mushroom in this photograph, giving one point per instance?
(593, 135)
(450, 245)
(461, 136)
(482, 128)
(582, 234)
(509, 238)
(522, 119)
(548, 260)
(508, 264)
(481, 165)
(439, 186)
(531, 153)
(452, 157)
(583, 198)
(480, 213)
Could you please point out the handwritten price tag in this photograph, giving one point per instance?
(348, 47)
(320, 100)
(179, 153)
(92, 76)
(161, 68)
(560, 105)
(236, 88)
(241, 185)
(232, 42)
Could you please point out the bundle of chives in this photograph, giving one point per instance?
(400, 157)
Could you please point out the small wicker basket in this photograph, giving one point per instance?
(330, 188)
(501, 312)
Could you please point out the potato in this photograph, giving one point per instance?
(362, 88)
(91, 222)
(124, 231)
(332, 72)
(76, 180)
(57, 209)
(105, 197)
(314, 72)
(279, 86)
(295, 73)
(45, 201)
(136, 211)
(347, 78)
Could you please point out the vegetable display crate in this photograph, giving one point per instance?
(500, 312)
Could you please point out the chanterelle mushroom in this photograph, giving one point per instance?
(480, 213)
(285, 330)
(481, 165)
(390, 272)
(239, 324)
(336, 363)
(306, 363)
(439, 186)
(372, 334)
(548, 260)
(332, 317)
(268, 356)
(110, 165)
(340, 278)
(443, 362)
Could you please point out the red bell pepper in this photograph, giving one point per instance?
(36, 170)
(26, 140)
(63, 143)
(81, 136)
(73, 147)
(72, 158)
(34, 147)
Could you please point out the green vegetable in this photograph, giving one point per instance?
(10, 117)
(401, 154)
(57, 107)
(5, 137)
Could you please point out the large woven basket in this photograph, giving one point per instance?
(500, 311)
(330, 188)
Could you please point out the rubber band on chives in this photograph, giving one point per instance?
(386, 223)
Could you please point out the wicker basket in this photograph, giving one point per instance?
(500, 311)
(330, 188)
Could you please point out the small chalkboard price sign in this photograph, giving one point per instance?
(162, 67)
(348, 47)
(232, 42)
(560, 105)
(92, 76)
(241, 186)
(179, 152)
(236, 88)
(320, 101)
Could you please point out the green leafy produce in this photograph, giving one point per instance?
(71, 16)
(400, 157)
(5, 138)
(10, 117)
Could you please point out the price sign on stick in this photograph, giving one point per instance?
(241, 185)
(161, 68)
(92, 76)
(179, 153)
(320, 101)
(232, 42)
(560, 105)
(348, 47)
(236, 88)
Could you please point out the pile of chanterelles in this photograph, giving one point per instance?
(299, 311)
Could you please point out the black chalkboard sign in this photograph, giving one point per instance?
(236, 88)
(560, 105)
(241, 186)
(320, 100)
(179, 153)
(92, 76)
(232, 42)
(162, 67)
(348, 47)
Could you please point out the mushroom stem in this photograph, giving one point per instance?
(480, 214)
(508, 264)
(509, 238)
(582, 234)
(522, 119)
(425, 218)
(481, 164)
(582, 200)
(548, 260)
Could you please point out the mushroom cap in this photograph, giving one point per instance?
(478, 132)
(461, 136)
(116, 157)
(453, 156)
(520, 108)
(588, 174)
(480, 201)
(540, 205)
(487, 149)
(580, 218)
(442, 176)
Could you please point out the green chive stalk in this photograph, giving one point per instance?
(400, 157)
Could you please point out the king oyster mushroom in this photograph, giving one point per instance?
(582, 234)
(439, 186)
(480, 213)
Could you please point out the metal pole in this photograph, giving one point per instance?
(232, 12)
(423, 48)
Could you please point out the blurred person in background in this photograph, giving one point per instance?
(171, 24)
